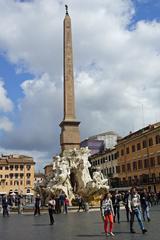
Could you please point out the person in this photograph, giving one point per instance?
(80, 203)
(37, 205)
(51, 209)
(116, 198)
(66, 204)
(62, 202)
(125, 201)
(57, 207)
(5, 206)
(107, 214)
(18, 201)
(134, 208)
(145, 205)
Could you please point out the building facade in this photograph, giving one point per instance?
(138, 156)
(106, 161)
(48, 170)
(16, 174)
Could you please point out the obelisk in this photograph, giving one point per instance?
(70, 135)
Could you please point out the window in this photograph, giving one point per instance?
(29, 167)
(158, 160)
(21, 175)
(140, 164)
(127, 150)
(109, 157)
(28, 175)
(11, 167)
(21, 182)
(146, 163)
(117, 154)
(152, 162)
(28, 191)
(28, 182)
(11, 175)
(21, 167)
(134, 165)
(1, 168)
(11, 182)
(123, 168)
(16, 167)
(6, 183)
(144, 143)
(138, 146)
(128, 167)
(16, 175)
(6, 167)
(150, 141)
(6, 176)
(157, 139)
(133, 148)
(118, 169)
(122, 152)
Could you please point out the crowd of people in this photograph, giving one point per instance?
(8, 201)
(137, 203)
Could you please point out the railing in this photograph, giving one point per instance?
(137, 182)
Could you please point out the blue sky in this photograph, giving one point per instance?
(31, 93)
(147, 10)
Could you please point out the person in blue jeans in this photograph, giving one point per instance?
(145, 205)
(134, 208)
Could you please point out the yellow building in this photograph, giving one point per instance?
(105, 161)
(16, 174)
(138, 156)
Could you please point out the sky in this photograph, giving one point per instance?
(116, 46)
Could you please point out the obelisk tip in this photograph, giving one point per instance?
(66, 6)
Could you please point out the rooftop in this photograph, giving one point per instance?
(141, 131)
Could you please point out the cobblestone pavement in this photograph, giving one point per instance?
(74, 226)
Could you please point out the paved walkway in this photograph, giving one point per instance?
(74, 226)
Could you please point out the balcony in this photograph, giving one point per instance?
(135, 182)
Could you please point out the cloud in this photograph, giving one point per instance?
(6, 104)
(5, 124)
(116, 68)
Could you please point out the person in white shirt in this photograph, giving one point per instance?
(134, 208)
(51, 209)
(107, 214)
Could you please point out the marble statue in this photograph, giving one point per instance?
(71, 175)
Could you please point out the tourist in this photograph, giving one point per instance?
(107, 214)
(145, 205)
(125, 201)
(37, 205)
(57, 207)
(66, 204)
(5, 206)
(51, 209)
(80, 203)
(134, 208)
(116, 198)
(62, 202)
